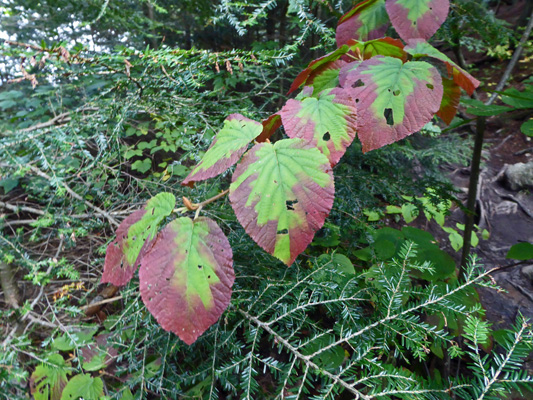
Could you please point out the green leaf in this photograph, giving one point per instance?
(133, 236)
(186, 277)
(387, 242)
(520, 251)
(226, 149)
(419, 236)
(393, 99)
(409, 212)
(281, 194)
(341, 264)
(522, 100)
(73, 340)
(8, 184)
(327, 122)
(477, 107)
(527, 128)
(443, 263)
(142, 165)
(456, 240)
(48, 380)
(83, 386)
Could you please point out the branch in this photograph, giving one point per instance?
(112, 220)
(516, 56)
(305, 359)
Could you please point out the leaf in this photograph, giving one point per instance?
(72, 340)
(450, 100)
(48, 380)
(186, 277)
(420, 48)
(98, 355)
(134, 236)
(142, 165)
(83, 386)
(443, 263)
(415, 19)
(367, 20)
(281, 194)
(517, 99)
(340, 266)
(393, 99)
(409, 212)
(527, 128)
(326, 122)
(521, 251)
(316, 67)
(226, 149)
(477, 107)
(270, 125)
(456, 240)
(379, 47)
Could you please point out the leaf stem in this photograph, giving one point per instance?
(195, 206)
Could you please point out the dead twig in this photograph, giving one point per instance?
(112, 220)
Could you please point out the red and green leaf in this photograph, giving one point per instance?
(133, 238)
(227, 147)
(281, 194)
(393, 99)
(48, 380)
(270, 125)
(420, 48)
(323, 73)
(450, 100)
(379, 47)
(317, 67)
(327, 122)
(186, 277)
(414, 19)
(366, 21)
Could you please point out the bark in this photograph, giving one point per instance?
(9, 285)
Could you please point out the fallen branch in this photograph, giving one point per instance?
(112, 220)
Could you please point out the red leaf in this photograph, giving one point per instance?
(417, 18)
(186, 277)
(117, 270)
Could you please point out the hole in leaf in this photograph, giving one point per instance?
(290, 204)
(414, 23)
(134, 238)
(208, 276)
(430, 86)
(326, 137)
(358, 83)
(396, 93)
(357, 100)
(389, 116)
(167, 279)
(431, 8)
(199, 267)
(283, 232)
(121, 263)
(150, 299)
